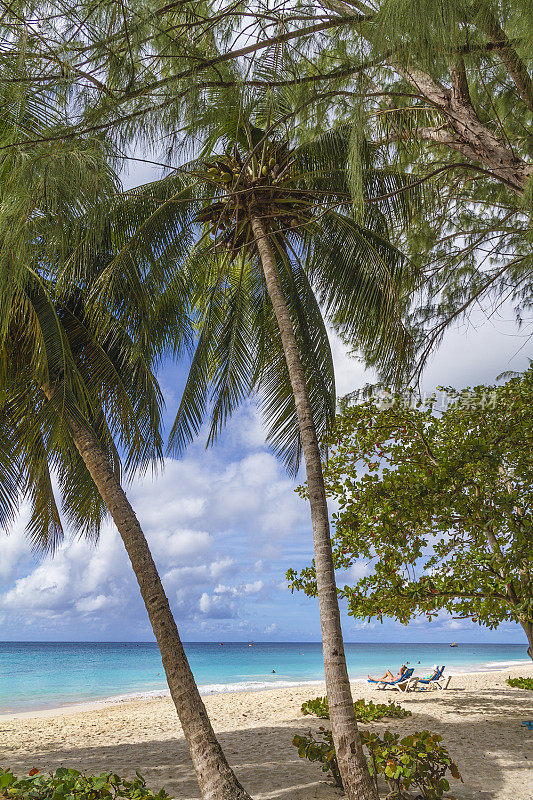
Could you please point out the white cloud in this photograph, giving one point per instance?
(455, 625)
(44, 588)
(359, 570)
(89, 605)
(248, 431)
(224, 601)
(75, 579)
(350, 372)
(239, 591)
(202, 572)
(178, 545)
(156, 513)
(217, 606)
(204, 603)
(207, 520)
(253, 588)
(364, 625)
(14, 545)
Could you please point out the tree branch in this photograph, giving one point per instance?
(243, 51)
(510, 58)
(468, 136)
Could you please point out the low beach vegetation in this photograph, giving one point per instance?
(319, 747)
(365, 711)
(418, 761)
(69, 784)
(520, 683)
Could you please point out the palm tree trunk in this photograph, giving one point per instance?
(215, 777)
(352, 763)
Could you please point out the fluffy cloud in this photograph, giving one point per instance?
(359, 570)
(222, 602)
(15, 548)
(90, 605)
(178, 545)
(187, 576)
(350, 372)
(210, 521)
(217, 606)
(80, 578)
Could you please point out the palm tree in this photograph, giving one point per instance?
(75, 388)
(265, 233)
(97, 389)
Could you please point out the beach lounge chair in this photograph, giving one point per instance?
(435, 681)
(403, 684)
(529, 724)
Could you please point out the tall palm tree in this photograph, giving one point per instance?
(75, 388)
(272, 234)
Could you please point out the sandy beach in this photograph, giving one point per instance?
(479, 716)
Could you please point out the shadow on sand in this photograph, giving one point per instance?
(484, 736)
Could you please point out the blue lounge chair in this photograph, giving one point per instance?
(435, 681)
(403, 684)
(529, 724)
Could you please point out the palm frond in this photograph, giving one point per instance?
(364, 285)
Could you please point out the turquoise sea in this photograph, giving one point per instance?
(36, 675)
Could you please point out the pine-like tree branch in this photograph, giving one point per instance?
(512, 61)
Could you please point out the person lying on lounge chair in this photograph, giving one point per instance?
(389, 676)
(436, 680)
(435, 674)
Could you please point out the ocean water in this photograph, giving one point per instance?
(36, 675)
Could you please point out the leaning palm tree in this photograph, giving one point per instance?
(61, 411)
(76, 388)
(273, 238)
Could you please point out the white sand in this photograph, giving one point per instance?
(479, 716)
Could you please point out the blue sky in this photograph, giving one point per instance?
(224, 525)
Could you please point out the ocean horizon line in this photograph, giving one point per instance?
(266, 641)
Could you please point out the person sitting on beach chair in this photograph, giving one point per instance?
(402, 682)
(436, 680)
(389, 677)
(437, 672)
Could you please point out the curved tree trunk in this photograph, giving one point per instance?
(352, 763)
(215, 777)
(528, 628)
(527, 624)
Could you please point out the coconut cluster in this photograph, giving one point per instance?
(258, 184)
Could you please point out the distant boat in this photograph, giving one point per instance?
(454, 644)
(251, 645)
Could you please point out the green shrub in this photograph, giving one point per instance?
(319, 707)
(364, 712)
(320, 748)
(418, 761)
(521, 683)
(69, 784)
